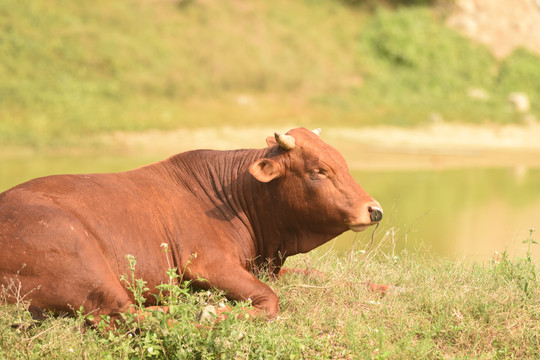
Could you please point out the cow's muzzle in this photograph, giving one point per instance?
(375, 213)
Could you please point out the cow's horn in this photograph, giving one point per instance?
(317, 131)
(285, 141)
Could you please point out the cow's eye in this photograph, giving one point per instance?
(317, 174)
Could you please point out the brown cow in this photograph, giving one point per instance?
(223, 214)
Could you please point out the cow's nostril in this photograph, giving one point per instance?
(375, 214)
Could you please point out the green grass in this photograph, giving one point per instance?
(443, 309)
(70, 70)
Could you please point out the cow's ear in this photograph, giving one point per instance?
(266, 170)
(271, 141)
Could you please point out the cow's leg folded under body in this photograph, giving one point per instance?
(239, 284)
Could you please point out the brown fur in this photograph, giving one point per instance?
(223, 214)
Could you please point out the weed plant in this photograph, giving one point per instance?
(437, 309)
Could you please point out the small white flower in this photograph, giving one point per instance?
(150, 349)
(70, 350)
(496, 253)
(164, 245)
(208, 293)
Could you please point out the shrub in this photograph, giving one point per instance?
(422, 55)
(520, 72)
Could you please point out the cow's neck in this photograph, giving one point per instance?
(222, 180)
(263, 232)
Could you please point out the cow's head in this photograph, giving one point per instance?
(313, 182)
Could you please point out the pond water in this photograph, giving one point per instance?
(469, 213)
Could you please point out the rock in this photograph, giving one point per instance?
(209, 314)
(466, 5)
(466, 24)
(529, 119)
(502, 25)
(478, 94)
(520, 101)
(436, 118)
(245, 100)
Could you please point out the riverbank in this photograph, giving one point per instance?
(435, 146)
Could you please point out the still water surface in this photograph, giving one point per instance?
(468, 213)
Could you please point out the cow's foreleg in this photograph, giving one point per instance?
(239, 284)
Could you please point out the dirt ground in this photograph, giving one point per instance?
(502, 25)
(437, 146)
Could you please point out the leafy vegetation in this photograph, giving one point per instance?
(519, 71)
(418, 67)
(425, 55)
(438, 309)
(70, 70)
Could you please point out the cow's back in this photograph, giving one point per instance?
(80, 228)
